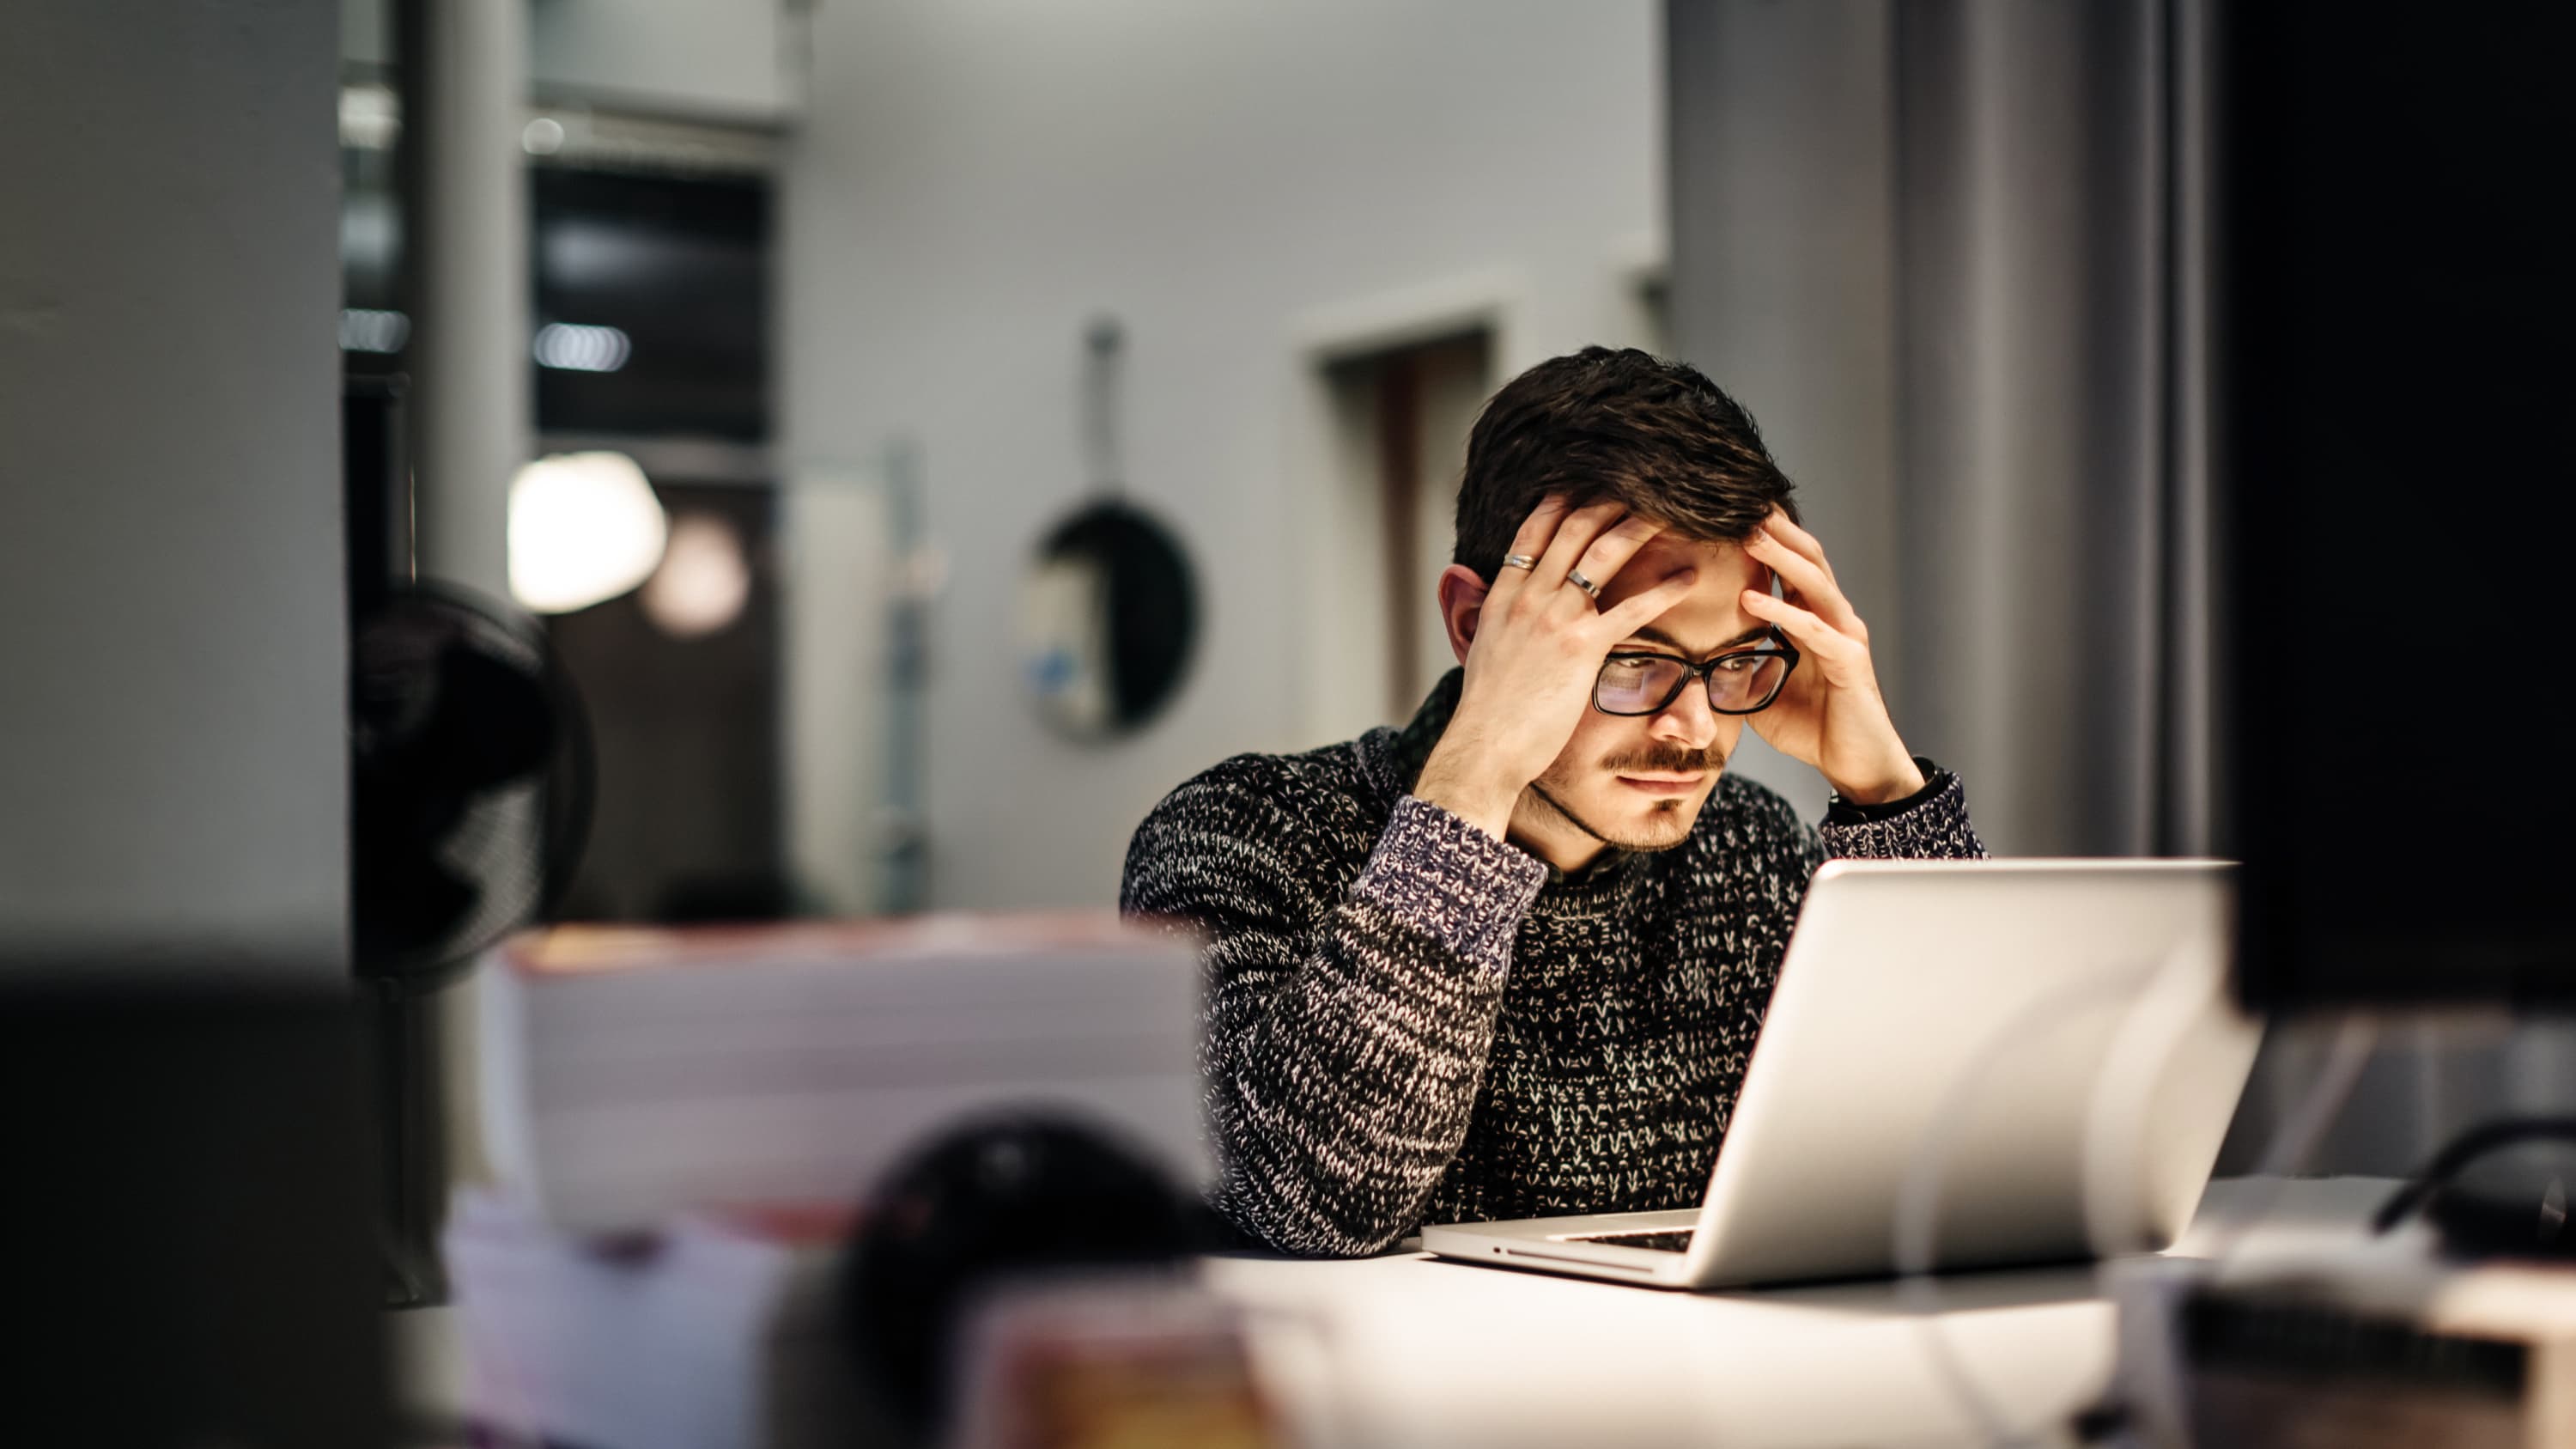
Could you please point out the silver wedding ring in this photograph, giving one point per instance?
(1576, 578)
(1519, 561)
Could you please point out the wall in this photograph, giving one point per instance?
(172, 750)
(724, 60)
(1914, 237)
(1251, 190)
(1784, 281)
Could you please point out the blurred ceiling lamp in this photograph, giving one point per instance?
(584, 528)
(704, 581)
(370, 329)
(576, 347)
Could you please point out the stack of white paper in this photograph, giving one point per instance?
(709, 1335)
(632, 1075)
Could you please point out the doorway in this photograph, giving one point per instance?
(1401, 416)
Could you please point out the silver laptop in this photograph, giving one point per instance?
(2034, 1059)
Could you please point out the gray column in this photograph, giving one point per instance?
(471, 369)
(470, 238)
(1784, 274)
(2032, 311)
(1927, 245)
(173, 779)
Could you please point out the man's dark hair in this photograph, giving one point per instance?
(1599, 425)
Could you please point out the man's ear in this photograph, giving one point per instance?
(1462, 604)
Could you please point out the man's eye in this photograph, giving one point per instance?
(1738, 665)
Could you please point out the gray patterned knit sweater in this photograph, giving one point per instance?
(1409, 1021)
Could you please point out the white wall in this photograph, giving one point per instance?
(1249, 188)
(173, 665)
(731, 60)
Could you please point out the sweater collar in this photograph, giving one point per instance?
(1404, 752)
(1411, 747)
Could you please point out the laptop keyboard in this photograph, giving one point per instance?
(1676, 1240)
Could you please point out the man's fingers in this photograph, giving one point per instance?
(1638, 610)
(1799, 540)
(1540, 526)
(1611, 551)
(1811, 634)
(1536, 532)
(1573, 536)
(1814, 586)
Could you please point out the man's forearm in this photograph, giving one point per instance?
(1932, 825)
(1350, 1090)
(1345, 1054)
(1895, 778)
(1453, 780)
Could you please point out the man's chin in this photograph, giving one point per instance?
(1661, 830)
(1662, 825)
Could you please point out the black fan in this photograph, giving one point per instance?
(470, 791)
(470, 782)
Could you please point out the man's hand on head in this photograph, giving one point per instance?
(1539, 642)
(1830, 714)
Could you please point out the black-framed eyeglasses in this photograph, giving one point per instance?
(1740, 681)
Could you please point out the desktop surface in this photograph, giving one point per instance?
(1407, 1349)
(1403, 1350)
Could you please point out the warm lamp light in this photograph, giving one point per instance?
(584, 528)
(704, 581)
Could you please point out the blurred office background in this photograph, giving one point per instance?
(1037, 403)
(852, 266)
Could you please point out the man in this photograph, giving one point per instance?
(1509, 960)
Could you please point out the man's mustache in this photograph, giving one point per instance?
(1666, 760)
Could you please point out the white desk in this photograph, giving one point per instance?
(1410, 1350)
(720, 1342)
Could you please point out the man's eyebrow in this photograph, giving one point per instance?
(1653, 635)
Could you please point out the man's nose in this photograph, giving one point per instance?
(1687, 721)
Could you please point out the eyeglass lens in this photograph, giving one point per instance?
(1642, 684)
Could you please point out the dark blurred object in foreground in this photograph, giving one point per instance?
(983, 1205)
(189, 1254)
(2498, 1190)
(2355, 1354)
(2392, 254)
(470, 788)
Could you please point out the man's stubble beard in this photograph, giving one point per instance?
(1676, 762)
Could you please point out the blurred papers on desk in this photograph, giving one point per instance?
(631, 1075)
(1125, 1362)
(716, 1333)
(723, 1331)
(2372, 1350)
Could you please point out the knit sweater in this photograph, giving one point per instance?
(1408, 1020)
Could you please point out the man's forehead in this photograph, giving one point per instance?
(1673, 552)
(1709, 617)
(1724, 569)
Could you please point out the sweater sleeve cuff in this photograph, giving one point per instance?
(1931, 824)
(1841, 809)
(1452, 881)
